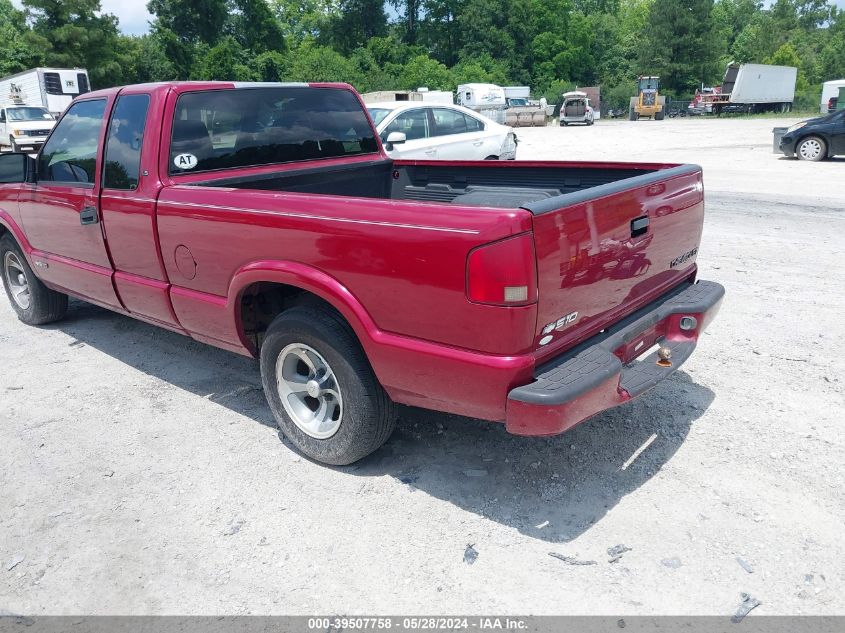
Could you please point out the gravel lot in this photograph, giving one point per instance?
(141, 472)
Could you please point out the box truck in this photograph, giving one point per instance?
(51, 88)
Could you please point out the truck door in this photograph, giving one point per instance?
(4, 134)
(128, 206)
(60, 211)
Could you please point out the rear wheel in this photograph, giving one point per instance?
(812, 148)
(658, 116)
(321, 388)
(632, 115)
(32, 301)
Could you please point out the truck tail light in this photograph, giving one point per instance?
(503, 273)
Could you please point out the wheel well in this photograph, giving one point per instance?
(262, 302)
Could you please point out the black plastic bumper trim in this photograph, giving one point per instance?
(590, 364)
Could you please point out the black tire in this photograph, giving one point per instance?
(491, 157)
(632, 115)
(368, 415)
(12, 145)
(45, 305)
(658, 116)
(822, 145)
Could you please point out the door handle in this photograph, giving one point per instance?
(88, 215)
(477, 143)
(431, 152)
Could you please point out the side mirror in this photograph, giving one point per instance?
(394, 138)
(16, 168)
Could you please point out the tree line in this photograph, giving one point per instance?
(550, 45)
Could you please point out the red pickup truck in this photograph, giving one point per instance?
(266, 219)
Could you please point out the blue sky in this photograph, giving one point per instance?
(134, 19)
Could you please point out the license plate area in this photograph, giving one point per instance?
(643, 344)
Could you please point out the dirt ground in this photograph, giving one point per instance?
(141, 473)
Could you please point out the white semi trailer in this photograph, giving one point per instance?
(754, 88)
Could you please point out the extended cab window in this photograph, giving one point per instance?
(259, 126)
(123, 149)
(70, 154)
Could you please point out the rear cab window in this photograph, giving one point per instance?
(122, 166)
(247, 127)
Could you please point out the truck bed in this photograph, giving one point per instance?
(536, 186)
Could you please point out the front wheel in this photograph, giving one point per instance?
(812, 148)
(321, 388)
(32, 301)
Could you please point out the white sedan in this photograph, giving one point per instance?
(427, 131)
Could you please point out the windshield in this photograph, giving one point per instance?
(378, 114)
(519, 102)
(28, 114)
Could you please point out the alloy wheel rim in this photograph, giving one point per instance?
(16, 278)
(810, 149)
(309, 391)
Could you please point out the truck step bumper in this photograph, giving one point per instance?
(609, 369)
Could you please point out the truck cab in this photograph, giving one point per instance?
(24, 128)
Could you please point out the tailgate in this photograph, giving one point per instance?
(607, 251)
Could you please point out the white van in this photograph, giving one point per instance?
(830, 90)
(24, 128)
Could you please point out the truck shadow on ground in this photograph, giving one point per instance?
(552, 489)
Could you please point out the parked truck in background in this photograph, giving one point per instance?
(753, 88)
(51, 88)
(266, 219)
(31, 100)
(831, 91)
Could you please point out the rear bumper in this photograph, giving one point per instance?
(604, 372)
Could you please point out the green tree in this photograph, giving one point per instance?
(301, 20)
(77, 36)
(482, 69)
(225, 61)
(21, 48)
(679, 44)
(832, 55)
(357, 22)
(425, 71)
(320, 63)
(181, 25)
(254, 26)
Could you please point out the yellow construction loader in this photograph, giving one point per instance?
(648, 102)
